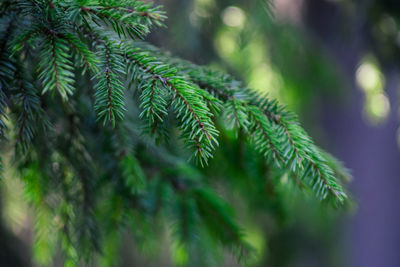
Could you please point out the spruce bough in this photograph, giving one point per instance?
(65, 62)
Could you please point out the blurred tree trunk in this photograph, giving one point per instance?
(371, 152)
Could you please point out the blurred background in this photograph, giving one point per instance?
(336, 64)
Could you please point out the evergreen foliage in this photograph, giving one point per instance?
(128, 170)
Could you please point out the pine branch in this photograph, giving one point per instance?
(338, 167)
(109, 96)
(127, 18)
(303, 156)
(7, 66)
(189, 105)
(87, 58)
(154, 106)
(31, 116)
(265, 136)
(26, 121)
(236, 115)
(27, 35)
(55, 66)
(296, 150)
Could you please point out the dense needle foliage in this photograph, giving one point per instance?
(100, 123)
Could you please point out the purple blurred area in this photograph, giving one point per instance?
(373, 233)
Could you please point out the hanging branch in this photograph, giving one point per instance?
(191, 110)
(109, 96)
(300, 154)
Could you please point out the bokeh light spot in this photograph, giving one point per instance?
(368, 77)
(371, 81)
(233, 16)
(377, 108)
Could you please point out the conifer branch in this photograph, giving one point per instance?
(154, 105)
(109, 96)
(338, 167)
(300, 154)
(87, 57)
(31, 117)
(264, 136)
(192, 111)
(57, 74)
(127, 18)
(7, 69)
